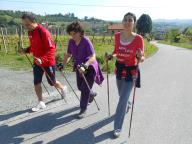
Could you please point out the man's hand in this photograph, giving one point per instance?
(38, 61)
(22, 51)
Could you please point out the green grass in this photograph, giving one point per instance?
(183, 45)
(149, 49)
(19, 62)
(15, 62)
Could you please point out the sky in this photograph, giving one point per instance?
(104, 9)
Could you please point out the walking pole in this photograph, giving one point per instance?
(133, 100)
(90, 90)
(42, 81)
(52, 82)
(108, 87)
(69, 84)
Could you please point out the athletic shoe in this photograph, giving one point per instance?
(40, 105)
(92, 95)
(64, 92)
(116, 133)
(81, 114)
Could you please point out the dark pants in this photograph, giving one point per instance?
(82, 86)
(38, 74)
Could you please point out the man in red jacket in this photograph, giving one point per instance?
(43, 49)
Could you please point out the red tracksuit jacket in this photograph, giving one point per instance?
(42, 46)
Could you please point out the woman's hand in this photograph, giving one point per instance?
(108, 56)
(139, 55)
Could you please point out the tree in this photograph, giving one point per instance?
(85, 18)
(4, 20)
(72, 15)
(174, 35)
(188, 32)
(14, 22)
(144, 24)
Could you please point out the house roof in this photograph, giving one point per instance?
(115, 27)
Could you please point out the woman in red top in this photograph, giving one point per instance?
(129, 51)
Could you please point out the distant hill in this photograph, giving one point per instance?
(164, 24)
(9, 17)
(178, 21)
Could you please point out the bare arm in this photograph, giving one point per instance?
(66, 59)
(91, 60)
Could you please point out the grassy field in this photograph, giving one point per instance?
(149, 49)
(183, 45)
(15, 61)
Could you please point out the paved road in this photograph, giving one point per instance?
(162, 112)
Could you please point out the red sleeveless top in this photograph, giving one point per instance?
(126, 54)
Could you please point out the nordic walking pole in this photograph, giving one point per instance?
(69, 84)
(108, 86)
(90, 90)
(133, 100)
(52, 82)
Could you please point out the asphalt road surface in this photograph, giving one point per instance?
(162, 114)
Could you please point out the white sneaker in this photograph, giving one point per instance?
(64, 92)
(41, 105)
(117, 133)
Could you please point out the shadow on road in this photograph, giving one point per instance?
(8, 116)
(14, 114)
(40, 124)
(86, 135)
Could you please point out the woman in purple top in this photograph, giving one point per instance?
(81, 50)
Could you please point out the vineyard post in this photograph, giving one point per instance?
(20, 44)
(7, 38)
(3, 38)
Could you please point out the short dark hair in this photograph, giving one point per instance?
(130, 14)
(31, 17)
(75, 27)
